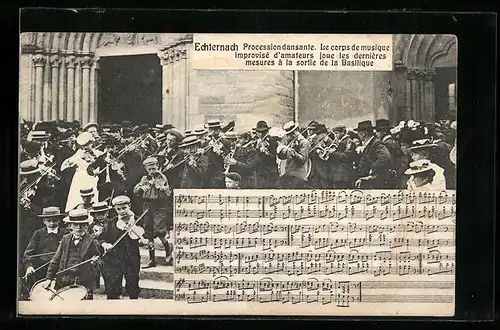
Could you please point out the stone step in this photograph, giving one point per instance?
(159, 256)
(150, 289)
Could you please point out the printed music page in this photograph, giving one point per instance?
(237, 174)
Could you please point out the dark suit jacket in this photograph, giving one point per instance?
(266, 164)
(375, 157)
(194, 177)
(41, 242)
(86, 273)
(126, 251)
(244, 166)
(341, 161)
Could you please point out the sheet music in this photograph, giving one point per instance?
(333, 252)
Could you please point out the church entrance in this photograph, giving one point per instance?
(130, 89)
(445, 93)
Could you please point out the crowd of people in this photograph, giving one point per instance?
(104, 190)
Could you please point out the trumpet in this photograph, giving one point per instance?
(324, 153)
(229, 156)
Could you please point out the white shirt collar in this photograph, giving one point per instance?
(364, 145)
(385, 138)
(52, 231)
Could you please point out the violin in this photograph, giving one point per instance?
(134, 232)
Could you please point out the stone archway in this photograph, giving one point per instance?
(416, 58)
(58, 72)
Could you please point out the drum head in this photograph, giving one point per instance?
(70, 293)
(39, 293)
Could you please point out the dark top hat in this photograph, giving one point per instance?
(168, 126)
(126, 123)
(32, 147)
(114, 128)
(262, 126)
(50, 212)
(382, 124)
(233, 176)
(142, 129)
(365, 126)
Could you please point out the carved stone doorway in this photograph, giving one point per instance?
(130, 88)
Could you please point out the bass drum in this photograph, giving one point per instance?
(39, 293)
(70, 293)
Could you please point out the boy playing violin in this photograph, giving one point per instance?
(124, 259)
(156, 196)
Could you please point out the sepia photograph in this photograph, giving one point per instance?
(149, 172)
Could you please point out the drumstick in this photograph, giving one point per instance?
(41, 254)
(25, 277)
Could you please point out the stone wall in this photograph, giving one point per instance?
(336, 97)
(242, 96)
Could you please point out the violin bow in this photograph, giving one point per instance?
(125, 233)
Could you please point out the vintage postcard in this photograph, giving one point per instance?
(237, 174)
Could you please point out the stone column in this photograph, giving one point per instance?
(39, 61)
(428, 80)
(54, 62)
(46, 91)
(32, 90)
(182, 90)
(86, 64)
(62, 90)
(164, 85)
(71, 62)
(399, 93)
(24, 86)
(94, 75)
(78, 90)
(171, 89)
(412, 94)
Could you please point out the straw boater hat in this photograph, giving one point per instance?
(188, 132)
(174, 132)
(99, 207)
(79, 216)
(51, 212)
(231, 135)
(214, 124)
(290, 127)
(37, 136)
(189, 141)
(120, 200)
(200, 130)
(262, 126)
(84, 139)
(86, 192)
(89, 125)
(422, 144)
(419, 166)
(29, 166)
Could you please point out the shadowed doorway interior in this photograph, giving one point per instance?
(130, 89)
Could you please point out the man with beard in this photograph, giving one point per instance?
(266, 169)
(375, 160)
(320, 173)
(219, 147)
(169, 155)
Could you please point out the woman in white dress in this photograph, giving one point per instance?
(83, 157)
